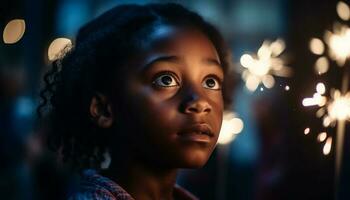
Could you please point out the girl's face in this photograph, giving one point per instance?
(173, 102)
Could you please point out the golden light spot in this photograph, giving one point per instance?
(14, 31)
(286, 88)
(317, 99)
(322, 136)
(246, 60)
(316, 46)
(339, 107)
(338, 43)
(320, 88)
(277, 47)
(264, 65)
(326, 121)
(268, 81)
(343, 11)
(56, 47)
(252, 83)
(231, 126)
(327, 146)
(307, 131)
(322, 65)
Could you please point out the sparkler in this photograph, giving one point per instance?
(335, 110)
(260, 68)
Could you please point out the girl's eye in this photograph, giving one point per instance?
(165, 80)
(211, 83)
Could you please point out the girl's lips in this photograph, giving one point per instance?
(200, 132)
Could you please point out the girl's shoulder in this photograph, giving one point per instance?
(93, 186)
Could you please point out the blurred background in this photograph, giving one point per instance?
(273, 145)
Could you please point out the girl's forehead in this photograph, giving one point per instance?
(174, 39)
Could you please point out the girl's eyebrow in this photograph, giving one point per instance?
(162, 58)
(176, 59)
(212, 61)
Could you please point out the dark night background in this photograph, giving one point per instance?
(271, 159)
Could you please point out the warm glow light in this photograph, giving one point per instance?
(261, 67)
(333, 109)
(316, 46)
(322, 136)
(315, 100)
(343, 11)
(326, 121)
(339, 108)
(286, 88)
(338, 43)
(237, 125)
(14, 31)
(321, 65)
(268, 81)
(320, 88)
(246, 60)
(328, 146)
(307, 131)
(56, 47)
(231, 126)
(277, 47)
(252, 83)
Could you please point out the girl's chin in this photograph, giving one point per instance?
(194, 161)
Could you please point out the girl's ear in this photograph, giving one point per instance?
(101, 111)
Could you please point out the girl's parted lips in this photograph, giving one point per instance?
(200, 128)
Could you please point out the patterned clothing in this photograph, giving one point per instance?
(96, 187)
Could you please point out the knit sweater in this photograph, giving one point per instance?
(96, 187)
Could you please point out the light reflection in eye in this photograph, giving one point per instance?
(211, 83)
(165, 80)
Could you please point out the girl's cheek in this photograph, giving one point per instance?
(216, 99)
(163, 94)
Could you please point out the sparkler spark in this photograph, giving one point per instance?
(260, 68)
(339, 107)
(337, 42)
(334, 110)
(307, 131)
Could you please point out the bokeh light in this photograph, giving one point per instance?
(322, 136)
(57, 46)
(343, 11)
(14, 31)
(231, 126)
(328, 146)
(321, 65)
(260, 68)
(316, 46)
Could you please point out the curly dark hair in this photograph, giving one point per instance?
(101, 49)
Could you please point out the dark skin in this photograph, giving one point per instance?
(173, 108)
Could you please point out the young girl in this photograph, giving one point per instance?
(143, 89)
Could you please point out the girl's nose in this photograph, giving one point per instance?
(195, 104)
